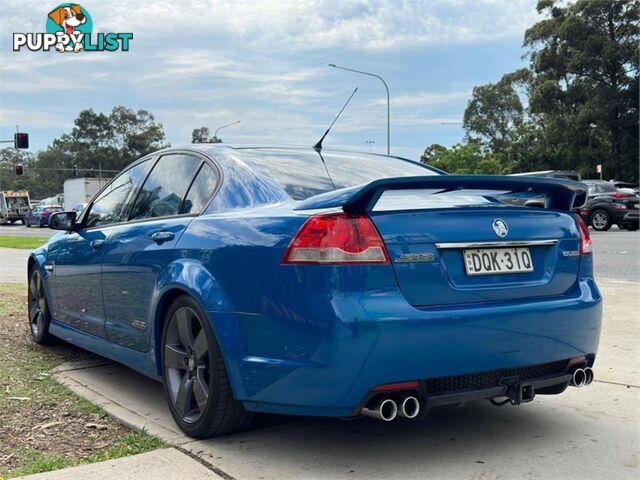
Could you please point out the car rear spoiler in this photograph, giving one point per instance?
(560, 194)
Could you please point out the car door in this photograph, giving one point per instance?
(74, 258)
(138, 251)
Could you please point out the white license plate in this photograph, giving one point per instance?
(490, 261)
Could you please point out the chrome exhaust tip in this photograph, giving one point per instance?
(579, 377)
(410, 408)
(386, 410)
(588, 376)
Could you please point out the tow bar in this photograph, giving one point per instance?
(518, 392)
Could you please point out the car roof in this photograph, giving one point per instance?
(213, 148)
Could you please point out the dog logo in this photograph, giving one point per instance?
(500, 227)
(68, 18)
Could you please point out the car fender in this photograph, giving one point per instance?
(192, 277)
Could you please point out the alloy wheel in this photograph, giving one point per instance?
(599, 220)
(37, 304)
(187, 364)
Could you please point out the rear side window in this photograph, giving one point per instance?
(107, 208)
(165, 187)
(200, 191)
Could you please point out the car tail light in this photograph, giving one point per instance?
(336, 238)
(618, 205)
(620, 195)
(586, 247)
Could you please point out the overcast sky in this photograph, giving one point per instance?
(207, 63)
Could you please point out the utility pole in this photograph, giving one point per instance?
(386, 87)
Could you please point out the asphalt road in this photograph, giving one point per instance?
(17, 229)
(617, 252)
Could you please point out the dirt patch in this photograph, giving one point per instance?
(43, 425)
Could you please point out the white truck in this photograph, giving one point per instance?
(78, 191)
(14, 205)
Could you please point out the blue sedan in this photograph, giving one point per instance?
(324, 283)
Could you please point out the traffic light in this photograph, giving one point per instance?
(75, 171)
(21, 140)
(19, 169)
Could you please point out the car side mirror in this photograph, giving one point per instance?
(62, 221)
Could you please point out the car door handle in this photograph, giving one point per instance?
(97, 244)
(164, 236)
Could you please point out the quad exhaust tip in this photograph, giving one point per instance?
(386, 410)
(409, 408)
(582, 377)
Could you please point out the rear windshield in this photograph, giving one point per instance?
(304, 174)
(52, 209)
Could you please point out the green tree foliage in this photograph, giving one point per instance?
(495, 112)
(9, 157)
(584, 59)
(577, 104)
(462, 159)
(96, 141)
(203, 135)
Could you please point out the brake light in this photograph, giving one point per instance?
(586, 247)
(620, 195)
(336, 238)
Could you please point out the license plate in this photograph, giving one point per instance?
(490, 261)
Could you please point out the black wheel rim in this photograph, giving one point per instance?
(186, 363)
(37, 304)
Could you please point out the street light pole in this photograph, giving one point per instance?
(386, 87)
(370, 143)
(224, 126)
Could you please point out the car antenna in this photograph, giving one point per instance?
(318, 146)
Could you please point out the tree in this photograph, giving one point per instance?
(463, 158)
(202, 135)
(495, 112)
(9, 157)
(97, 140)
(584, 60)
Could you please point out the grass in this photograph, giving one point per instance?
(33, 461)
(43, 425)
(7, 241)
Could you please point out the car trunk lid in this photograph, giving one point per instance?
(428, 223)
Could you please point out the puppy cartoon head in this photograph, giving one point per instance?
(68, 18)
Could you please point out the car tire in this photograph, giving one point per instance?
(27, 224)
(38, 307)
(600, 220)
(631, 228)
(195, 379)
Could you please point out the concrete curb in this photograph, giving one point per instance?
(157, 465)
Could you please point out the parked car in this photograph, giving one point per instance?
(624, 186)
(39, 216)
(607, 206)
(323, 283)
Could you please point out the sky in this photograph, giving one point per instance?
(209, 63)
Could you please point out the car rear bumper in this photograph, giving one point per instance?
(631, 217)
(380, 339)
